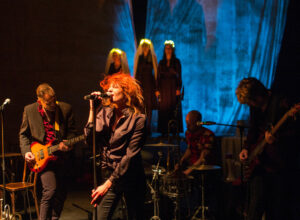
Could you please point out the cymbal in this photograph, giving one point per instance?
(12, 155)
(205, 167)
(160, 144)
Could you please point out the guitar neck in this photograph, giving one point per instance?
(279, 123)
(68, 142)
(259, 148)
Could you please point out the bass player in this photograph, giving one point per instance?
(272, 187)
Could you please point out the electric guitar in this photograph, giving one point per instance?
(44, 153)
(253, 160)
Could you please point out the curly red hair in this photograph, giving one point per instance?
(131, 90)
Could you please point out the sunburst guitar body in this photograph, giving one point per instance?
(44, 153)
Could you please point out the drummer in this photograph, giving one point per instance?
(200, 141)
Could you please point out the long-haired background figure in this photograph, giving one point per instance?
(169, 85)
(145, 71)
(116, 62)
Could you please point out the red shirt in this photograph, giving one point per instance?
(49, 128)
(198, 140)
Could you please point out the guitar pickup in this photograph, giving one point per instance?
(42, 156)
(49, 151)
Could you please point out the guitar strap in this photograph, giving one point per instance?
(56, 123)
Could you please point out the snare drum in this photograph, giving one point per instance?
(176, 186)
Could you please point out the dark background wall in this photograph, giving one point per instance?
(58, 42)
(287, 78)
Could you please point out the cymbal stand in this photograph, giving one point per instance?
(174, 124)
(171, 124)
(154, 189)
(202, 207)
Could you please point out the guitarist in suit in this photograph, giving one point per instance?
(46, 121)
(271, 191)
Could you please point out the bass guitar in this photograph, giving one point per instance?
(44, 153)
(253, 160)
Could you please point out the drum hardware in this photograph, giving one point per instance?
(156, 170)
(160, 170)
(155, 199)
(154, 186)
(172, 126)
(202, 207)
(169, 146)
(173, 183)
(175, 188)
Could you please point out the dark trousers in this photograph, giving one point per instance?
(53, 194)
(133, 189)
(265, 193)
(134, 204)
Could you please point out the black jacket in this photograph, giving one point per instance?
(32, 128)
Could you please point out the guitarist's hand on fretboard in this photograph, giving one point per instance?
(269, 137)
(63, 147)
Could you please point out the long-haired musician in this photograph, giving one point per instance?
(272, 186)
(120, 133)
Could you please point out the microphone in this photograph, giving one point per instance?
(205, 123)
(101, 95)
(6, 102)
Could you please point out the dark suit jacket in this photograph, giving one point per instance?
(32, 128)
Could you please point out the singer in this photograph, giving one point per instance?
(120, 133)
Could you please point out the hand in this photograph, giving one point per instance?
(157, 94)
(98, 97)
(244, 155)
(63, 147)
(187, 171)
(29, 157)
(100, 192)
(269, 137)
(177, 92)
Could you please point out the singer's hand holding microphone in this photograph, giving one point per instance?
(93, 96)
(97, 96)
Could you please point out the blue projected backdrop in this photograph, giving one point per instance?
(123, 37)
(219, 42)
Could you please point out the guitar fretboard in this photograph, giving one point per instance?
(52, 149)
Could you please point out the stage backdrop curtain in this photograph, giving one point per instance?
(219, 42)
(123, 28)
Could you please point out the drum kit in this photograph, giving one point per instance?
(175, 185)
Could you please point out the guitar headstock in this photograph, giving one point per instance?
(294, 110)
